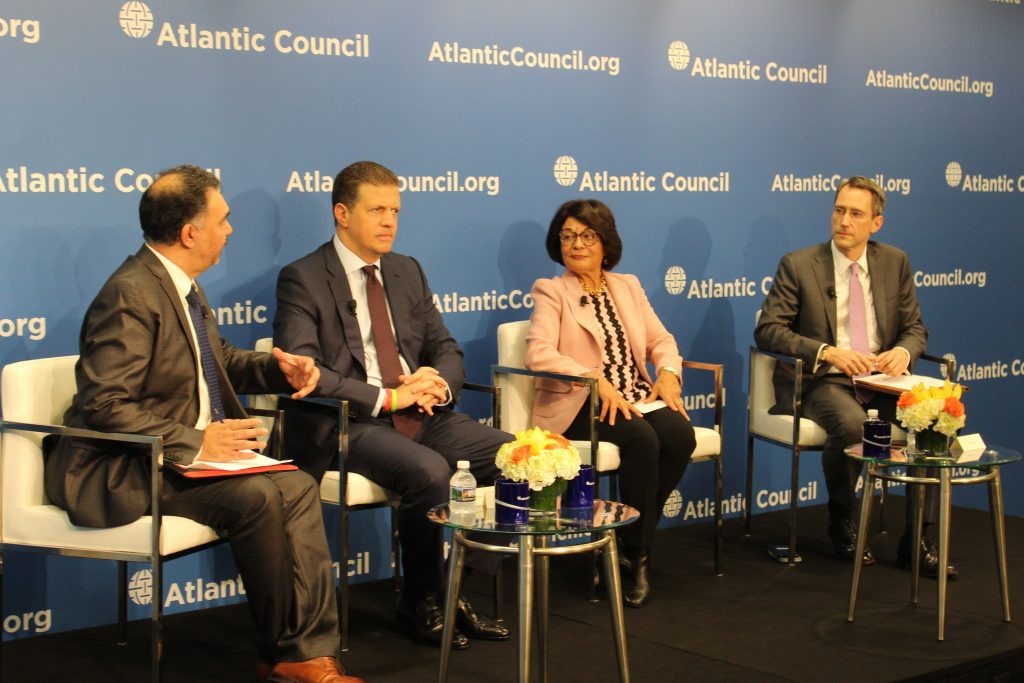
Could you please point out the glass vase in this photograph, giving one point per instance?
(544, 503)
(931, 442)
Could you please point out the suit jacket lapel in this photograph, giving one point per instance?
(393, 283)
(167, 285)
(584, 315)
(825, 274)
(337, 281)
(878, 273)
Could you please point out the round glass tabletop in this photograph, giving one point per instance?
(606, 514)
(898, 455)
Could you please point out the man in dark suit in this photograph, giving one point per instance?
(847, 307)
(152, 362)
(367, 316)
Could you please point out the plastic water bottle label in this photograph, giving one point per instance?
(463, 494)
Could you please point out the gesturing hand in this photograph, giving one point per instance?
(300, 371)
(223, 441)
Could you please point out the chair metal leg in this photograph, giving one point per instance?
(748, 506)
(343, 551)
(794, 486)
(156, 623)
(718, 515)
(122, 601)
(396, 563)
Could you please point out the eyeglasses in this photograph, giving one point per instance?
(588, 237)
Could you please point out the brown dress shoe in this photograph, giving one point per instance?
(319, 670)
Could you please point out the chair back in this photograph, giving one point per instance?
(762, 389)
(39, 392)
(517, 391)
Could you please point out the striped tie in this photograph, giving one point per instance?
(195, 311)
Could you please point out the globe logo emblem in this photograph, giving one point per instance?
(140, 587)
(565, 170)
(678, 55)
(136, 19)
(674, 505)
(954, 174)
(942, 368)
(675, 280)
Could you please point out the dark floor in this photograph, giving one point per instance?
(761, 620)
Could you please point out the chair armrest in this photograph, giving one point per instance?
(156, 453)
(948, 363)
(718, 369)
(275, 438)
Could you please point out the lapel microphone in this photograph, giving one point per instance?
(583, 300)
(352, 306)
(831, 292)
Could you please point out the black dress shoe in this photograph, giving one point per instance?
(929, 558)
(844, 540)
(426, 622)
(478, 626)
(637, 590)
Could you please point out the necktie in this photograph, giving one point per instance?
(858, 324)
(406, 423)
(195, 311)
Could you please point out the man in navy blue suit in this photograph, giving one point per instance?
(367, 316)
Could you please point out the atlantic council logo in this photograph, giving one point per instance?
(954, 174)
(565, 170)
(136, 19)
(674, 505)
(675, 280)
(140, 588)
(678, 55)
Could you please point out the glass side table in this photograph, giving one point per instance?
(532, 542)
(934, 471)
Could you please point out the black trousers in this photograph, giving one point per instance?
(830, 401)
(276, 531)
(654, 451)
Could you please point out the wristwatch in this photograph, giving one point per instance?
(674, 371)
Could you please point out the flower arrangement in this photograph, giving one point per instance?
(538, 457)
(937, 408)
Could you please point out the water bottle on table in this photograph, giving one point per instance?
(877, 436)
(462, 499)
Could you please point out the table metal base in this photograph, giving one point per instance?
(534, 555)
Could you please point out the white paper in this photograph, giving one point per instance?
(645, 408)
(901, 382)
(236, 465)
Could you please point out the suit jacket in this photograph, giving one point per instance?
(566, 338)
(137, 374)
(313, 318)
(799, 313)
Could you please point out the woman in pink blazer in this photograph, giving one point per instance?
(596, 323)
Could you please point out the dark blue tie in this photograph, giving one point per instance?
(195, 311)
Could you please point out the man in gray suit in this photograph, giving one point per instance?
(153, 363)
(367, 315)
(847, 307)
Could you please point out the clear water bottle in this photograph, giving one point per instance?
(877, 436)
(462, 498)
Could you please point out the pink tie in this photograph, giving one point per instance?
(858, 324)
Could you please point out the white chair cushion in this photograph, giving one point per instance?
(607, 455)
(780, 428)
(361, 491)
(709, 444)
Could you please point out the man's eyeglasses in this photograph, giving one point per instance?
(588, 237)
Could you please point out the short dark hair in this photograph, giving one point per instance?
(348, 180)
(594, 214)
(176, 197)
(861, 183)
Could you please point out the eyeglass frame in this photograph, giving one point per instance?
(588, 237)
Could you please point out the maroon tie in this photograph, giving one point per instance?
(407, 423)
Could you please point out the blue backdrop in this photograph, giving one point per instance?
(715, 131)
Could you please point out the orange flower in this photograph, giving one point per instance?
(522, 453)
(559, 439)
(906, 399)
(954, 407)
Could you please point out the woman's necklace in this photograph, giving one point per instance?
(593, 292)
